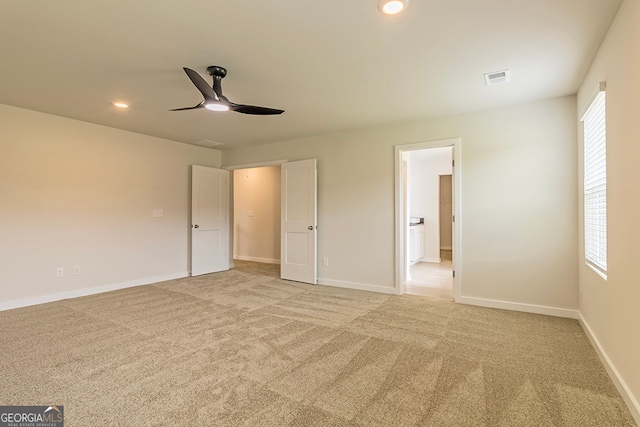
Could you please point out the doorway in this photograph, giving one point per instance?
(275, 216)
(427, 184)
(256, 214)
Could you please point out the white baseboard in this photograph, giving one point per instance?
(516, 306)
(625, 393)
(358, 286)
(425, 259)
(256, 259)
(25, 302)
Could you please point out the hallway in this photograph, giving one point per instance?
(433, 279)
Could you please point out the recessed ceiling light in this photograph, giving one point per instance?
(121, 105)
(216, 107)
(392, 7)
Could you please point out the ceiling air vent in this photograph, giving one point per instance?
(206, 143)
(497, 77)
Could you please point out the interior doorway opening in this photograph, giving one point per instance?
(427, 201)
(275, 217)
(429, 263)
(256, 214)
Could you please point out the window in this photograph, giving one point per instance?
(595, 183)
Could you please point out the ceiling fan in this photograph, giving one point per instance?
(214, 99)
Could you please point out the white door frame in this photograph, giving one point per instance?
(401, 214)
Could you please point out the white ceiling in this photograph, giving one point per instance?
(332, 65)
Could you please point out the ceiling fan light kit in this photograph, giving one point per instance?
(392, 7)
(214, 100)
(214, 106)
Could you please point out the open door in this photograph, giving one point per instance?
(298, 260)
(209, 220)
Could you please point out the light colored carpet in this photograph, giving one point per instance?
(246, 348)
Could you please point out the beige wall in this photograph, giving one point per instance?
(74, 193)
(256, 200)
(610, 308)
(519, 175)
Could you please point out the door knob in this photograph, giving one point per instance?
(310, 227)
(196, 226)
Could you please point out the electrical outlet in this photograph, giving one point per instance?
(325, 262)
(76, 270)
(60, 272)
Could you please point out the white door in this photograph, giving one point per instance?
(298, 259)
(209, 220)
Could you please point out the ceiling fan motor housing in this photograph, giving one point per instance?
(216, 71)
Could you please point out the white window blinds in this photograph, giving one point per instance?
(595, 183)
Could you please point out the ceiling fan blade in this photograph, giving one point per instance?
(252, 109)
(201, 84)
(201, 105)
